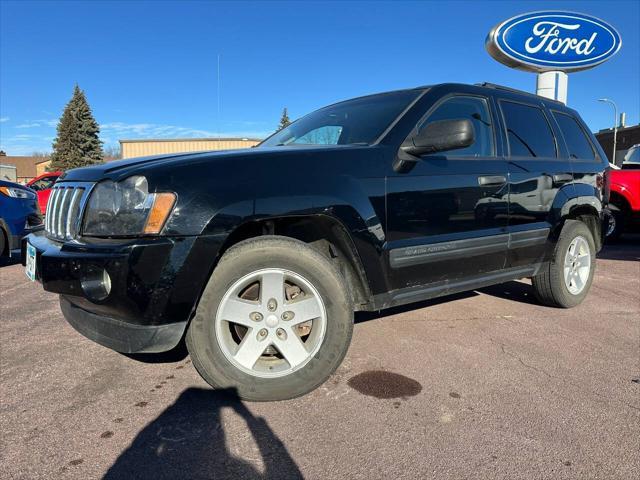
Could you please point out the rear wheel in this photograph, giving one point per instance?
(274, 321)
(615, 223)
(566, 280)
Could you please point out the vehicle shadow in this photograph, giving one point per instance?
(176, 354)
(366, 316)
(514, 290)
(14, 259)
(187, 440)
(625, 248)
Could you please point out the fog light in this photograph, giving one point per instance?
(96, 283)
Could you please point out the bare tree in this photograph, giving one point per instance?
(111, 152)
(41, 156)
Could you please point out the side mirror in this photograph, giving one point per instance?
(441, 136)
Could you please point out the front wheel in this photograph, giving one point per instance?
(566, 280)
(274, 322)
(2, 242)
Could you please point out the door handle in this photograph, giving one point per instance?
(491, 180)
(562, 178)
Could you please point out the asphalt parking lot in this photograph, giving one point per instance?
(481, 385)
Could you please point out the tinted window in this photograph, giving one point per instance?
(576, 140)
(528, 131)
(360, 121)
(470, 108)
(524, 187)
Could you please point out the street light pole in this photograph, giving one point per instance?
(615, 126)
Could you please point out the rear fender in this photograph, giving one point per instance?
(581, 202)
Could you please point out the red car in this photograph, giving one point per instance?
(624, 200)
(42, 186)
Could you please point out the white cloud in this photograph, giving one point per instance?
(153, 130)
(4, 119)
(36, 123)
(25, 144)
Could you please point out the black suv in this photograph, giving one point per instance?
(260, 257)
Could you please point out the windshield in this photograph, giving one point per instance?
(359, 121)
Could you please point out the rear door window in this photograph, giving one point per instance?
(577, 142)
(528, 131)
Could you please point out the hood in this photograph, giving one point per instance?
(4, 183)
(120, 169)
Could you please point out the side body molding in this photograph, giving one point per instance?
(434, 252)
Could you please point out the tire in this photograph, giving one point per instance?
(3, 242)
(550, 285)
(616, 224)
(241, 275)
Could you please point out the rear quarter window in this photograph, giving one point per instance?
(578, 144)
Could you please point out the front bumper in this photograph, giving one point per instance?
(122, 336)
(155, 284)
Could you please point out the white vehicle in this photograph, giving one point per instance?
(632, 158)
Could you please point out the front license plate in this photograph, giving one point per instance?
(30, 269)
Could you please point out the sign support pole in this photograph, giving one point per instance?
(553, 85)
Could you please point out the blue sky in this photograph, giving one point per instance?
(149, 68)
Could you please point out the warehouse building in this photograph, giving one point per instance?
(26, 167)
(626, 138)
(144, 147)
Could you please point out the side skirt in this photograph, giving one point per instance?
(408, 295)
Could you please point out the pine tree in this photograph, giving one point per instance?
(284, 120)
(77, 143)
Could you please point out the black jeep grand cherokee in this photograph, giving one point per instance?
(260, 257)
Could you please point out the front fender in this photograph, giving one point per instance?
(627, 194)
(357, 205)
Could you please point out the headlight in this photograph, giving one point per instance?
(17, 192)
(126, 208)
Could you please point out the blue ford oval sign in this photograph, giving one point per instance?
(545, 41)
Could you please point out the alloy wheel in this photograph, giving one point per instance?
(577, 265)
(270, 323)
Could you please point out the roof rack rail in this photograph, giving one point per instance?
(514, 90)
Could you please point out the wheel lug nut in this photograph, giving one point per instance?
(272, 304)
(281, 334)
(288, 316)
(256, 316)
(262, 334)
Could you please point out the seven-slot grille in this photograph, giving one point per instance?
(64, 209)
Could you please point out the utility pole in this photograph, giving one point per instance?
(615, 126)
(218, 99)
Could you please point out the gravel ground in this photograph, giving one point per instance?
(481, 385)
